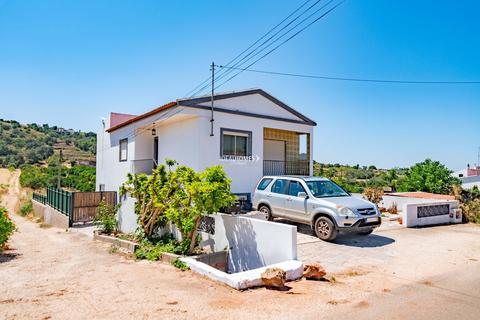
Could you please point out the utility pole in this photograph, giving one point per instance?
(59, 177)
(213, 91)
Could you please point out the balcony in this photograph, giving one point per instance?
(294, 168)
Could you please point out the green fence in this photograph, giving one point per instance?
(39, 198)
(60, 200)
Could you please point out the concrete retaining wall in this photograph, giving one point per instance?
(252, 243)
(411, 219)
(49, 215)
(400, 202)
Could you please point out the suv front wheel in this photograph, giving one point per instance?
(266, 212)
(325, 229)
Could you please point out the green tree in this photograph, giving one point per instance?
(429, 176)
(194, 195)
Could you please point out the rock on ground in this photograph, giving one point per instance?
(313, 271)
(274, 277)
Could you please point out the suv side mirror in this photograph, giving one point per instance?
(303, 195)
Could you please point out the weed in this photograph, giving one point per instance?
(113, 249)
(179, 264)
(26, 208)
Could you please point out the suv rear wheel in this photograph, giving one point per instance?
(266, 212)
(325, 229)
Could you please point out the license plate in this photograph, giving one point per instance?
(375, 219)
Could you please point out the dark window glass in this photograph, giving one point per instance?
(264, 183)
(280, 186)
(228, 145)
(325, 188)
(241, 146)
(294, 188)
(236, 144)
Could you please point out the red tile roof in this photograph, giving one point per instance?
(142, 116)
(117, 118)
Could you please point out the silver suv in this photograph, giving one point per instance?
(316, 201)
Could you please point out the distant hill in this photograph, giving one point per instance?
(33, 144)
(356, 178)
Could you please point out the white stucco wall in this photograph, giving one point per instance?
(254, 103)
(249, 241)
(244, 175)
(389, 201)
(411, 219)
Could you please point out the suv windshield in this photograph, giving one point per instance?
(325, 188)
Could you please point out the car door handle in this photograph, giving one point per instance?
(269, 195)
(289, 199)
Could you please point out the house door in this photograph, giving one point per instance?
(155, 152)
(274, 156)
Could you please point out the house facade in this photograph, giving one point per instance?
(252, 134)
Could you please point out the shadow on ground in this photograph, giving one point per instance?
(346, 239)
(6, 257)
(370, 241)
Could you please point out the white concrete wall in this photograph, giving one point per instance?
(252, 243)
(410, 218)
(244, 175)
(388, 201)
(254, 103)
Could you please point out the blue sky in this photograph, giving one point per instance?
(70, 62)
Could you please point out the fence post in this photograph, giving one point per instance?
(72, 206)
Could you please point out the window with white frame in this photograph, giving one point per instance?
(235, 143)
(123, 150)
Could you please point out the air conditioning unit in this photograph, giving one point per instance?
(456, 216)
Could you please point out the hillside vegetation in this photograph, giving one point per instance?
(36, 151)
(356, 178)
(34, 144)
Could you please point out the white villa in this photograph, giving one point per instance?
(250, 133)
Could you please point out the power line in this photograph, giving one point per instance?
(348, 78)
(282, 43)
(205, 83)
(264, 45)
(278, 39)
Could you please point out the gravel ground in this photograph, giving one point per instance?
(421, 274)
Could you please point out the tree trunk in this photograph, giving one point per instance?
(193, 236)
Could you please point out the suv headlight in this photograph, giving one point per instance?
(346, 212)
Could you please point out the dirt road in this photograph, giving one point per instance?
(54, 274)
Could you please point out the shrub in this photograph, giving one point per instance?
(26, 208)
(393, 209)
(471, 210)
(373, 195)
(106, 217)
(182, 196)
(179, 264)
(152, 249)
(6, 227)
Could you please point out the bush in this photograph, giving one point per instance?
(182, 197)
(106, 217)
(179, 264)
(373, 195)
(152, 249)
(471, 210)
(26, 208)
(6, 227)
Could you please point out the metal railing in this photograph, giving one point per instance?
(42, 198)
(278, 167)
(60, 200)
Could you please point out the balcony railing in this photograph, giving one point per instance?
(143, 166)
(277, 168)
